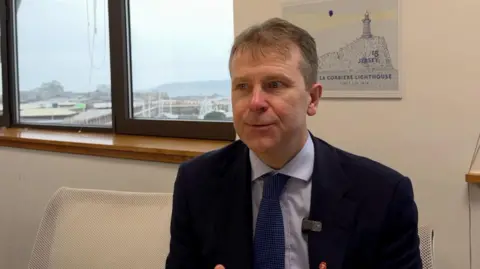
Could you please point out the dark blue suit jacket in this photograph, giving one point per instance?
(367, 210)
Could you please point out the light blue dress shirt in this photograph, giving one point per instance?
(295, 201)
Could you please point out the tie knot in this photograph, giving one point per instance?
(273, 185)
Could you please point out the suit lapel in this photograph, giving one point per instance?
(329, 206)
(234, 215)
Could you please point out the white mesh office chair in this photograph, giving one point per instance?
(100, 229)
(426, 235)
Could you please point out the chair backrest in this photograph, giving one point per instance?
(426, 235)
(103, 229)
(97, 229)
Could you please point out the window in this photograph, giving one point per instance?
(63, 63)
(146, 67)
(176, 58)
(180, 59)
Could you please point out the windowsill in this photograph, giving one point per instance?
(160, 149)
(473, 177)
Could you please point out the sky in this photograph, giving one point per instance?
(172, 41)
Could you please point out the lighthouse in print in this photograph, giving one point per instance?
(367, 30)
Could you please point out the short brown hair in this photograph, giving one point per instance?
(280, 34)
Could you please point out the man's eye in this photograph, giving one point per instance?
(275, 84)
(242, 86)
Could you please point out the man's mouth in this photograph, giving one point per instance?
(260, 126)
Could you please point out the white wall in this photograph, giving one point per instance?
(429, 136)
(29, 179)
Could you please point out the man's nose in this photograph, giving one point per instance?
(258, 102)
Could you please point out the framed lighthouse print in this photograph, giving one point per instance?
(357, 44)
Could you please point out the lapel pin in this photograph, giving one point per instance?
(323, 265)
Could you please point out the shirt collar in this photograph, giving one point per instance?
(301, 166)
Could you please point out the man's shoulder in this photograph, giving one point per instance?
(371, 184)
(223, 155)
(365, 171)
(202, 174)
(215, 162)
(369, 168)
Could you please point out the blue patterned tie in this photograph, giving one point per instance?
(269, 240)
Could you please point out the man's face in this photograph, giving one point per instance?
(269, 98)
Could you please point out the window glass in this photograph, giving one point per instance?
(64, 62)
(179, 52)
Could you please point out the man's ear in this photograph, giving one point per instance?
(315, 95)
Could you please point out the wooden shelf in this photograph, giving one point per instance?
(160, 149)
(473, 177)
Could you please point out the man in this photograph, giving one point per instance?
(280, 197)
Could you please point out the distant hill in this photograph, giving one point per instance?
(195, 88)
(196, 97)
